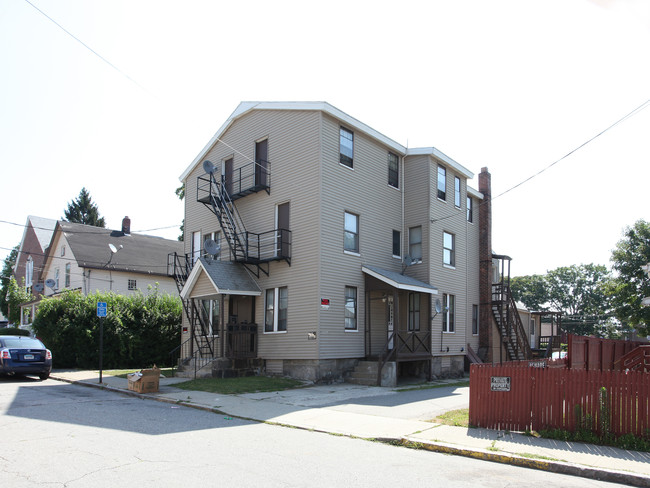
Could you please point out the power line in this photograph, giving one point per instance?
(625, 117)
(88, 47)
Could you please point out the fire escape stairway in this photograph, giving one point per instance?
(179, 268)
(229, 219)
(511, 330)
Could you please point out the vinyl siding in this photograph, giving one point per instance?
(364, 191)
(293, 152)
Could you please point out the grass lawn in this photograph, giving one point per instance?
(457, 418)
(247, 384)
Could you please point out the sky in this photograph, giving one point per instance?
(119, 96)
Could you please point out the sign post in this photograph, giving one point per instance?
(102, 310)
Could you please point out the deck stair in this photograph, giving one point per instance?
(638, 359)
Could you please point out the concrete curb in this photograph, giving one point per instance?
(559, 467)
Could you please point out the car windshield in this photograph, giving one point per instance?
(23, 343)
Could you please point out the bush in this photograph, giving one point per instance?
(139, 330)
(14, 331)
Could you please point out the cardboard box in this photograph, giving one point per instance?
(145, 381)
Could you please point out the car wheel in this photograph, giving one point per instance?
(44, 376)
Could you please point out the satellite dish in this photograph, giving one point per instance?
(208, 167)
(112, 248)
(38, 287)
(408, 260)
(211, 247)
(50, 283)
(438, 305)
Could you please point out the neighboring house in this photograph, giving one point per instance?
(314, 243)
(89, 259)
(31, 252)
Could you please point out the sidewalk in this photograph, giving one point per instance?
(388, 414)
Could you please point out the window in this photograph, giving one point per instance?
(442, 183)
(350, 308)
(346, 144)
(210, 316)
(56, 279)
(414, 312)
(351, 233)
(133, 285)
(457, 191)
(397, 243)
(62, 250)
(532, 328)
(470, 208)
(29, 272)
(475, 319)
(415, 243)
(277, 302)
(448, 249)
(67, 275)
(393, 170)
(449, 303)
(196, 246)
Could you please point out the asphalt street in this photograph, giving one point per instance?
(60, 434)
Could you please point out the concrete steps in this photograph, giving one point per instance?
(365, 373)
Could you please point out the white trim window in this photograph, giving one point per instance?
(351, 233)
(68, 268)
(415, 243)
(442, 183)
(132, 285)
(29, 273)
(56, 278)
(346, 147)
(275, 309)
(449, 249)
(210, 312)
(456, 191)
(393, 170)
(414, 312)
(448, 313)
(351, 308)
(397, 244)
(470, 210)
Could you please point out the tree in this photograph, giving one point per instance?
(631, 284)
(7, 272)
(180, 193)
(581, 292)
(84, 211)
(16, 294)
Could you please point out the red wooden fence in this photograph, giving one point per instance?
(517, 397)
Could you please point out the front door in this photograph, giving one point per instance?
(282, 226)
(261, 160)
(390, 320)
(226, 175)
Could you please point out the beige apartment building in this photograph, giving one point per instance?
(318, 248)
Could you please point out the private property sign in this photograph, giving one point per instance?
(500, 383)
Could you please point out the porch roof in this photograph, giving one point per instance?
(399, 281)
(227, 277)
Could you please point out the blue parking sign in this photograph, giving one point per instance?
(101, 309)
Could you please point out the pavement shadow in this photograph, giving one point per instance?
(53, 401)
(557, 445)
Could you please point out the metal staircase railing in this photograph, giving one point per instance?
(509, 323)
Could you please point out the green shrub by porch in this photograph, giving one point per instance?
(139, 330)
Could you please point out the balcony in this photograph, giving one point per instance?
(251, 178)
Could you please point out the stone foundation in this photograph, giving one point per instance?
(447, 367)
(318, 371)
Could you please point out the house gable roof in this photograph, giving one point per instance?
(245, 107)
(227, 277)
(136, 253)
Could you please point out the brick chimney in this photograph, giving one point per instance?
(126, 225)
(485, 277)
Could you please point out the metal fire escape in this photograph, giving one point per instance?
(504, 311)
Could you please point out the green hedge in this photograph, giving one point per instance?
(139, 331)
(14, 331)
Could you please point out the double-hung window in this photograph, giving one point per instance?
(67, 275)
(346, 145)
(275, 316)
(210, 312)
(474, 319)
(393, 170)
(457, 191)
(414, 312)
(448, 249)
(442, 183)
(132, 285)
(351, 233)
(415, 243)
(350, 308)
(470, 210)
(448, 313)
(397, 241)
